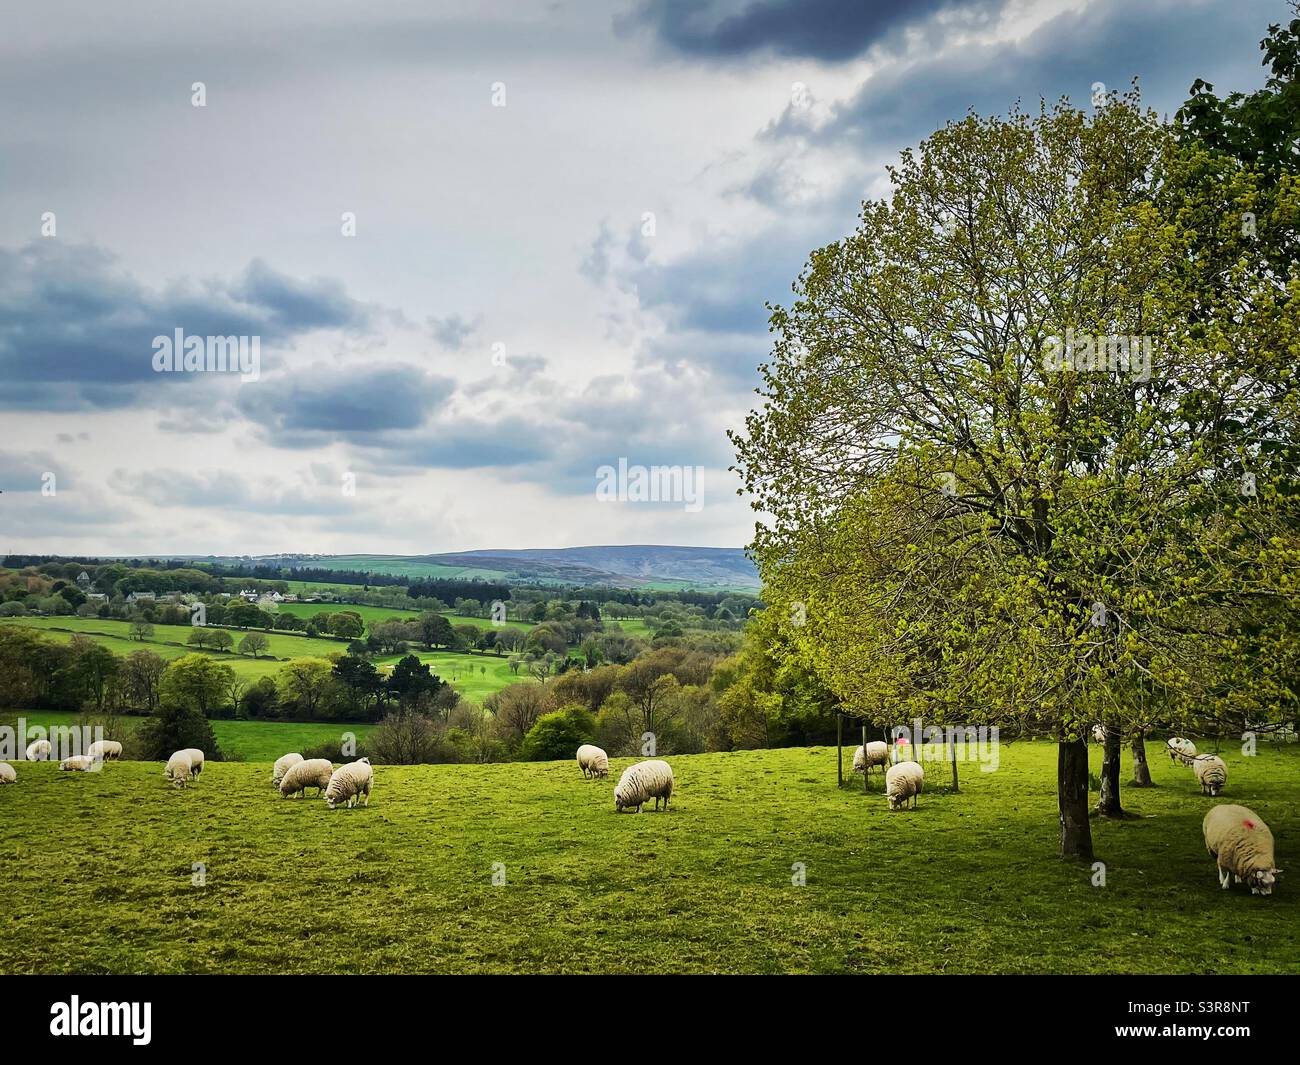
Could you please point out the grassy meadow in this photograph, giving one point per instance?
(475, 676)
(251, 741)
(967, 882)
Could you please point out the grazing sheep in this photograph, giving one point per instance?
(1181, 750)
(196, 760)
(1099, 733)
(282, 765)
(39, 751)
(313, 773)
(78, 763)
(1211, 771)
(874, 753)
(349, 783)
(179, 769)
(104, 750)
(8, 774)
(1241, 846)
(642, 782)
(902, 782)
(593, 761)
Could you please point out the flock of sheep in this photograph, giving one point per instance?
(349, 784)
(651, 779)
(1236, 837)
(904, 779)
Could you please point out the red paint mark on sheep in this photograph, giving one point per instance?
(1249, 824)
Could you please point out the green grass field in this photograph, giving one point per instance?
(465, 672)
(967, 882)
(474, 676)
(252, 741)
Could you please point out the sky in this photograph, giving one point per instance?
(486, 248)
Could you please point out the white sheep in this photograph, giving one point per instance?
(281, 767)
(1241, 846)
(196, 761)
(874, 753)
(593, 761)
(350, 782)
(1211, 771)
(313, 773)
(1181, 750)
(1099, 733)
(642, 782)
(39, 751)
(77, 763)
(179, 769)
(902, 782)
(104, 750)
(8, 774)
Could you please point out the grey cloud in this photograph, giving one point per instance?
(829, 30)
(76, 330)
(318, 404)
(1166, 45)
(229, 491)
(452, 332)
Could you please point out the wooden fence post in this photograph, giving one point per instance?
(839, 749)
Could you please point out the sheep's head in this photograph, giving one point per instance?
(895, 800)
(366, 761)
(1261, 881)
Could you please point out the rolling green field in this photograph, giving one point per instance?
(474, 676)
(252, 741)
(372, 614)
(968, 882)
(395, 565)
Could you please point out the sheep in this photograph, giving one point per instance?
(179, 769)
(104, 750)
(282, 765)
(1241, 846)
(593, 761)
(8, 774)
(77, 763)
(39, 751)
(902, 782)
(642, 782)
(1181, 750)
(874, 753)
(312, 773)
(196, 761)
(1212, 773)
(349, 783)
(1099, 733)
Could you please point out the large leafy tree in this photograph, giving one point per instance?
(969, 520)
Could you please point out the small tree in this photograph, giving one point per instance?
(255, 644)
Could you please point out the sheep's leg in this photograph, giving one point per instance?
(1223, 877)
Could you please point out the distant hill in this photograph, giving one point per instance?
(639, 566)
(642, 564)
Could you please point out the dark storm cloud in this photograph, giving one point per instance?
(76, 330)
(318, 404)
(830, 30)
(1166, 46)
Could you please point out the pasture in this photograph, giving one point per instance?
(968, 882)
(474, 676)
(250, 741)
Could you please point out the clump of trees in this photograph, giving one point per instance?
(1028, 443)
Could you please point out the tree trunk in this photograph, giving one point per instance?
(839, 750)
(1141, 771)
(1072, 799)
(1108, 804)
